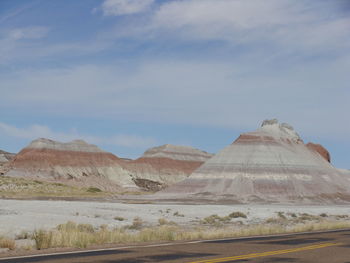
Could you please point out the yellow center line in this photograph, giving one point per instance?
(268, 253)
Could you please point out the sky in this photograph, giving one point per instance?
(128, 75)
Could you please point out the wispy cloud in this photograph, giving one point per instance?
(274, 26)
(7, 16)
(32, 32)
(306, 25)
(42, 131)
(125, 7)
(293, 24)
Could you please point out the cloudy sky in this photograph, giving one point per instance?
(130, 74)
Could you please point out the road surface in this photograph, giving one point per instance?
(330, 247)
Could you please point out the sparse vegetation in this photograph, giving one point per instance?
(215, 220)
(25, 188)
(308, 217)
(219, 220)
(119, 218)
(74, 235)
(342, 216)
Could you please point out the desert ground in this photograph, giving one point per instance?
(27, 215)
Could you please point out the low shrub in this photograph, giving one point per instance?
(281, 215)
(237, 215)
(93, 190)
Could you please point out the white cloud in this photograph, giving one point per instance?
(294, 26)
(125, 7)
(281, 26)
(41, 131)
(301, 24)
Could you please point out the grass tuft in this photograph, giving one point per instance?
(163, 221)
(137, 223)
(7, 243)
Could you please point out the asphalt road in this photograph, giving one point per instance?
(332, 247)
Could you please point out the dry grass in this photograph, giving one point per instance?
(77, 235)
(163, 221)
(7, 243)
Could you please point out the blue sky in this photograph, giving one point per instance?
(131, 74)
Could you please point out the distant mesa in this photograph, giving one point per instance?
(76, 162)
(165, 165)
(271, 164)
(82, 164)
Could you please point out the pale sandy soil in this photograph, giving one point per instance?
(27, 215)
